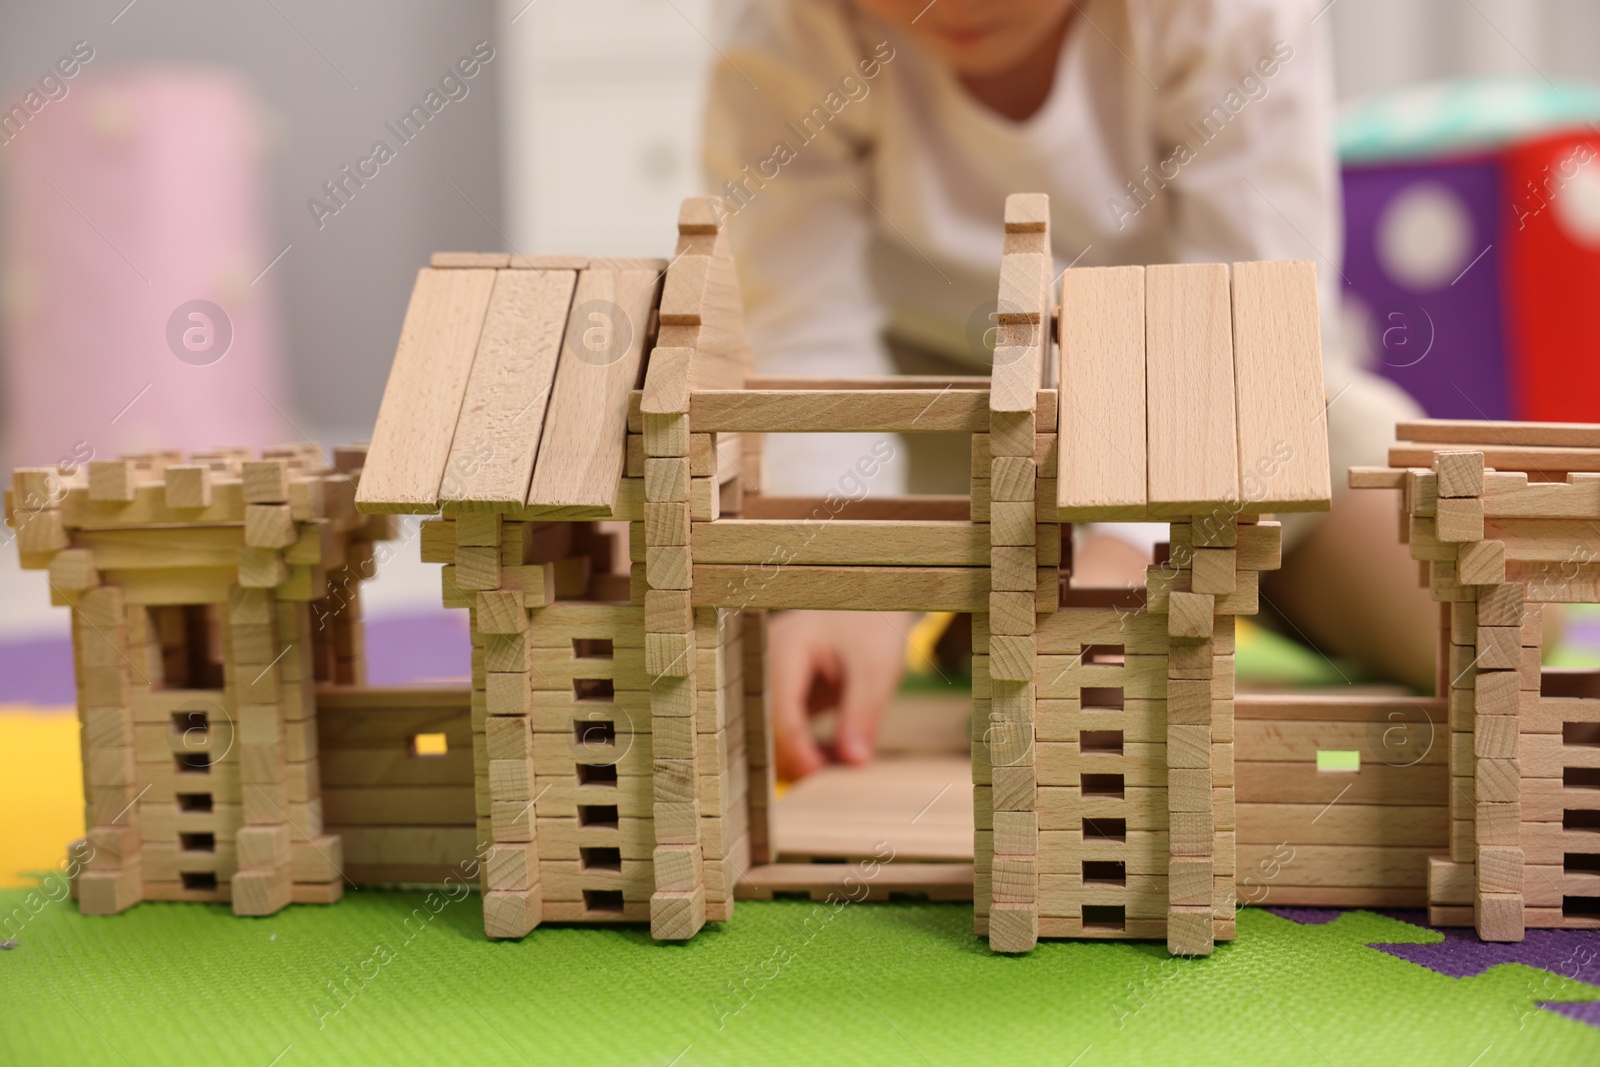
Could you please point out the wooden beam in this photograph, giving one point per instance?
(1487, 431)
(497, 437)
(841, 541)
(819, 509)
(840, 411)
(765, 382)
(582, 450)
(421, 403)
(1376, 478)
(1277, 365)
(1101, 465)
(1502, 457)
(842, 588)
(1190, 416)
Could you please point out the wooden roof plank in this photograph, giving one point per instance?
(1191, 420)
(1102, 394)
(1277, 366)
(417, 418)
(1548, 459)
(497, 437)
(583, 450)
(1488, 431)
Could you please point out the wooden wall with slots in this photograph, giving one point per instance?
(1501, 517)
(584, 438)
(193, 587)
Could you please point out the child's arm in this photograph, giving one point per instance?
(787, 135)
(1246, 121)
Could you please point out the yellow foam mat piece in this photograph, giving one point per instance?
(41, 790)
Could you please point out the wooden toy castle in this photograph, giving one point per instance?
(1502, 516)
(612, 760)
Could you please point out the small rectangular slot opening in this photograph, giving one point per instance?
(597, 816)
(1108, 917)
(194, 802)
(1580, 907)
(192, 762)
(1586, 734)
(1103, 656)
(188, 722)
(1101, 741)
(592, 648)
(197, 842)
(1101, 696)
(1105, 872)
(1338, 761)
(1569, 684)
(598, 689)
(603, 901)
(601, 859)
(1105, 830)
(597, 774)
(201, 880)
(1101, 785)
(1579, 819)
(429, 746)
(1581, 863)
(1580, 778)
(594, 732)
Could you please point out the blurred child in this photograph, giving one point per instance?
(864, 150)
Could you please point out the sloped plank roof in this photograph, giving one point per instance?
(581, 454)
(492, 404)
(1209, 383)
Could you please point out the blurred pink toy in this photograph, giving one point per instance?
(138, 310)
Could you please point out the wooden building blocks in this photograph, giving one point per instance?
(583, 439)
(208, 600)
(1501, 517)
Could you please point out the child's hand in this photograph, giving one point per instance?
(817, 660)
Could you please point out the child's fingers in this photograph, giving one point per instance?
(869, 682)
(789, 672)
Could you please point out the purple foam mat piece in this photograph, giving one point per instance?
(429, 646)
(1571, 954)
(1308, 916)
(1583, 1011)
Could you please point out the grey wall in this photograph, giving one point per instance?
(332, 74)
(1382, 44)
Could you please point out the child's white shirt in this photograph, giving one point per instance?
(865, 186)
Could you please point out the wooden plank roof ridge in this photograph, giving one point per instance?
(427, 384)
(497, 436)
(581, 454)
(1185, 387)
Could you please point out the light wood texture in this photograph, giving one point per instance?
(843, 588)
(840, 411)
(921, 805)
(1376, 478)
(706, 310)
(497, 437)
(1504, 457)
(820, 509)
(1193, 429)
(1277, 362)
(898, 381)
(1475, 431)
(842, 541)
(1102, 394)
(454, 260)
(417, 418)
(581, 453)
(939, 881)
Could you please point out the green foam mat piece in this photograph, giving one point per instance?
(782, 983)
